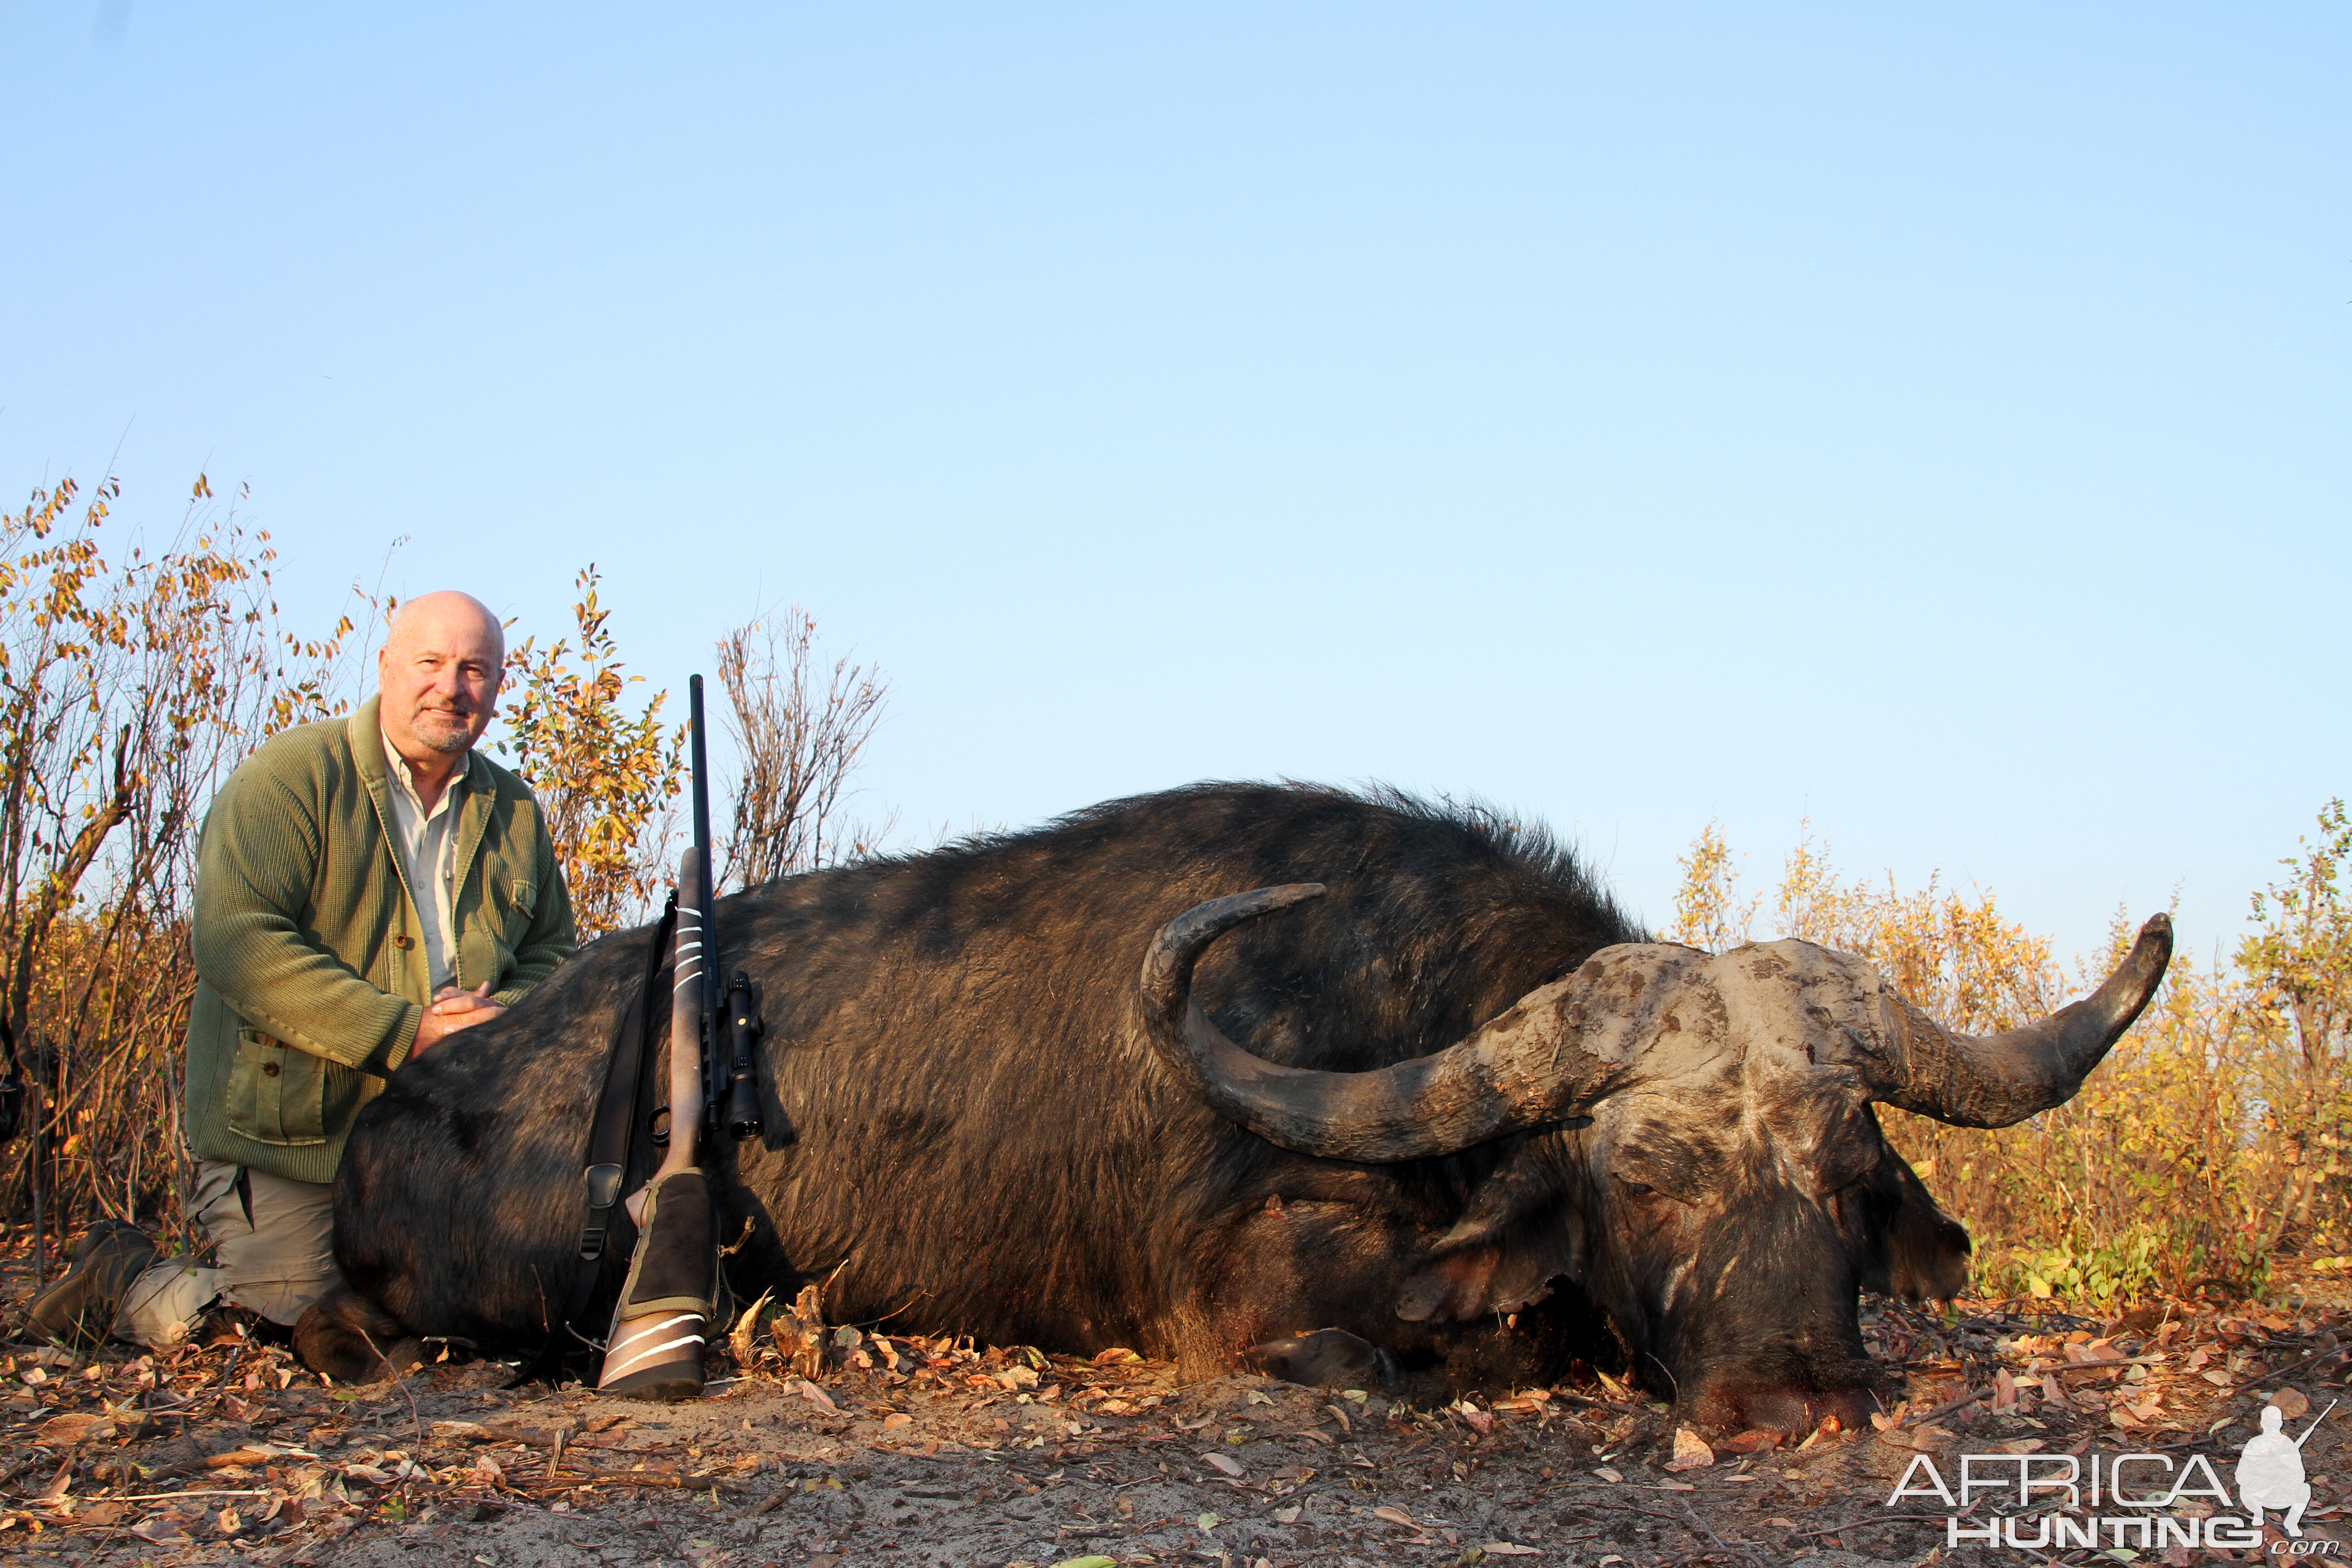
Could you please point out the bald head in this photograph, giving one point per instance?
(438, 676)
(449, 619)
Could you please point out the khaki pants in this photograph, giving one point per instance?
(277, 1263)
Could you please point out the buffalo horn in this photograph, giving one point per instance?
(1998, 1079)
(1512, 1073)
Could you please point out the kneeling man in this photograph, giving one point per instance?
(365, 887)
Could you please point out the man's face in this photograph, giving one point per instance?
(439, 675)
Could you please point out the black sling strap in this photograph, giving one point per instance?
(610, 1139)
(616, 1111)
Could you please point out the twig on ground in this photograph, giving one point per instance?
(652, 1519)
(1602, 1404)
(2062, 1368)
(401, 1381)
(1946, 1408)
(2281, 1371)
(769, 1504)
(1743, 1549)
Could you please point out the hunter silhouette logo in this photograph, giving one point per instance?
(2270, 1470)
(2160, 1501)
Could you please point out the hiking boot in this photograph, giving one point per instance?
(77, 1311)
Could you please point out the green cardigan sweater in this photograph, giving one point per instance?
(310, 965)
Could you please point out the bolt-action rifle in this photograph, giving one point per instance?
(666, 1310)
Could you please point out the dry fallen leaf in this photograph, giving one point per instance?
(1508, 1548)
(63, 1429)
(818, 1397)
(740, 1339)
(1606, 1474)
(2292, 1404)
(1691, 1452)
(1221, 1462)
(897, 1418)
(60, 1484)
(1395, 1516)
(1287, 1515)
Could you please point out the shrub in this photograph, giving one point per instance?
(604, 776)
(129, 684)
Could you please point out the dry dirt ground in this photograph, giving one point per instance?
(962, 1455)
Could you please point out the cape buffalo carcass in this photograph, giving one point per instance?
(1476, 1126)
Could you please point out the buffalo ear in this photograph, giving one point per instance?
(1328, 1358)
(1901, 1242)
(1495, 1274)
(1515, 1236)
(1926, 1250)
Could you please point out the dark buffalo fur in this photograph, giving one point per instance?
(964, 1113)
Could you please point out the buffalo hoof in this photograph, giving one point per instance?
(1328, 1358)
(352, 1340)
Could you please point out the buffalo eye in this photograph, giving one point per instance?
(1639, 1189)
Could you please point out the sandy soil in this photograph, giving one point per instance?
(963, 1454)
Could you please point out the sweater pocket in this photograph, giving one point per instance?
(511, 921)
(276, 1094)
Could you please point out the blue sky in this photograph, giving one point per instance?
(1929, 419)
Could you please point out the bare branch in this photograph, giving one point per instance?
(796, 747)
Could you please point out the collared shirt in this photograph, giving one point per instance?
(427, 852)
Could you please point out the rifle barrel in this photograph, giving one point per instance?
(709, 998)
(702, 845)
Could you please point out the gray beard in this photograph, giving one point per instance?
(448, 741)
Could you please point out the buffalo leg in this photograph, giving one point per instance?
(1311, 1292)
(1328, 1358)
(351, 1338)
